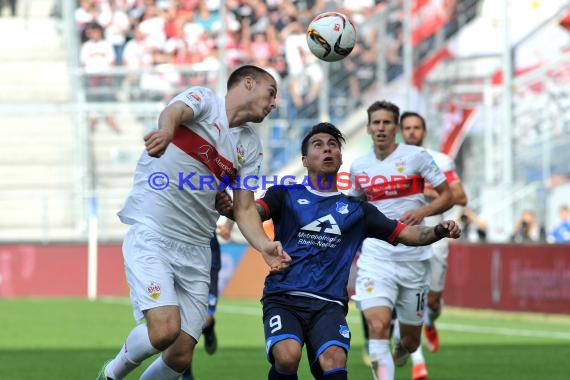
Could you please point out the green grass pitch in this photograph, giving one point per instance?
(70, 339)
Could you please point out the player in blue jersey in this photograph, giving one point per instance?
(321, 229)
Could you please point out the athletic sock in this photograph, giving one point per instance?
(137, 348)
(276, 375)
(418, 356)
(381, 358)
(159, 370)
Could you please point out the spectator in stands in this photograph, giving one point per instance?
(360, 69)
(474, 228)
(304, 88)
(527, 229)
(116, 24)
(561, 233)
(12, 3)
(136, 56)
(97, 57)
(85, 14)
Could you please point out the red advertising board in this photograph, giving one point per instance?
(521, 277)
(58, 270)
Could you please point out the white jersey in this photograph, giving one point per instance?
(447, 167)
(174, 195)
(394, 185)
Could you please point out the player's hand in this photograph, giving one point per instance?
(411, 217)
(156, 142)
(275, 256)
(225, 206)
(450, 229)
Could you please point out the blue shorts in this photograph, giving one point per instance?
(317, 323)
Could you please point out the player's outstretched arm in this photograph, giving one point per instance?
(422, 235)
(248, 219)
(171, 117)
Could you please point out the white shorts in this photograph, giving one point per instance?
(166, 272)
(441, 249)
(400, 284)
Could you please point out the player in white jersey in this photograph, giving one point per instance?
(203, 144)
(414, 131)
(392, 178)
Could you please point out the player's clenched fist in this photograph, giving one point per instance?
(156, 142)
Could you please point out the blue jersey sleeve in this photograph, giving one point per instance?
(379, 226)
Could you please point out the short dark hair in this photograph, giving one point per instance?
(383, 105)
(247, 70)
(413, 114)
(322, 128)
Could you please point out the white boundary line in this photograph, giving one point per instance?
(256, 311)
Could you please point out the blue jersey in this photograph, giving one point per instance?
(321, 232)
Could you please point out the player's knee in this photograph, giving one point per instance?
(378, 329)
(410, 343)
(332, 358)
(177, 360)
(162, 335)
(287, 357)
(163, 326)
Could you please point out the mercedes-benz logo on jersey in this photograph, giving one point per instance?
(204, 152)
(325, 224)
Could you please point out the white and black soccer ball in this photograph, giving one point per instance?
(331, 36)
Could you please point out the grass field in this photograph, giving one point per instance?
(70, 339)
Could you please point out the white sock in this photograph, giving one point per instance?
(159, 370)
(381, 358)
(418, 356)
(137, 348)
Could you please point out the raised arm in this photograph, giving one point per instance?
(171, 117)
(249, 222)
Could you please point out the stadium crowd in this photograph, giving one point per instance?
(171, 34)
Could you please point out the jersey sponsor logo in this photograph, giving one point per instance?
(153, 290)
(344, 331)
(396, 188)
(206, 153)
(303, 201)
(342, 207)
(320, 225)
(201, 150)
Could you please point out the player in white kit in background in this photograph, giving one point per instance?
(202, 143)
(414, 132)
(392, 177)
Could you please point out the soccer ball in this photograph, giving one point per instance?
(331, 36)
